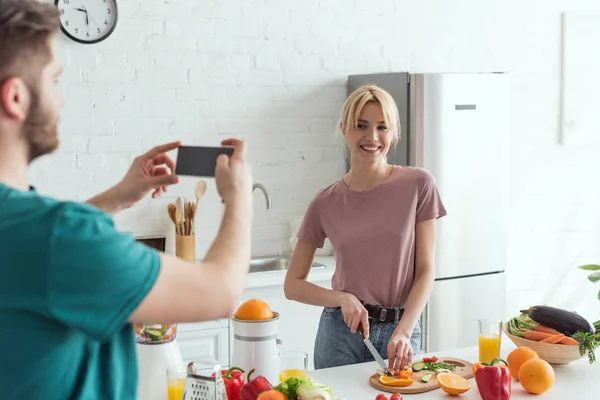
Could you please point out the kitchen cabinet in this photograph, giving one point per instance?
(298, 323)
(198, 340)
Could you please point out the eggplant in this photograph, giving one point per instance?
(564, 321)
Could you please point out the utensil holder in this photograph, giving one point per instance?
(185, 247)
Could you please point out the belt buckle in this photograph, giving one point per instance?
(383, 315)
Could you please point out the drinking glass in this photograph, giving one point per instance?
(176, 382)
(292, 363)
(490, 336)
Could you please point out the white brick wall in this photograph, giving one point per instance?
(273, 72)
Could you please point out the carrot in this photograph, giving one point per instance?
(542, 328)
(568, 340)
(553, 339)
(535, 335)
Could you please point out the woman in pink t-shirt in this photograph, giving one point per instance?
(381, 221)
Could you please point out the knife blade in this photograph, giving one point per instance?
(375, 353)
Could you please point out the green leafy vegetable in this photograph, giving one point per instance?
(595, 277)
(517, 325)
(304, 388)
(314, 391)
(434, 366)
(588, 343)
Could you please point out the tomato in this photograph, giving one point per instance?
(381, 396)
(396, 396)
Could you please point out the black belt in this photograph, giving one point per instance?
(384, 314)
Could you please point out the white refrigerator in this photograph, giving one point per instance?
(457, 126)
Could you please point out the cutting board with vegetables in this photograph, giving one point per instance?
(424, 375)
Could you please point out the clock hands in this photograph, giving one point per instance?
(93, 19)
(87, 21)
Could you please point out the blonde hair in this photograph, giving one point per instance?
(371, 93)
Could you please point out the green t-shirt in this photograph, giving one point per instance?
(68, 283)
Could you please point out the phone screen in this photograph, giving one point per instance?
(199, 160)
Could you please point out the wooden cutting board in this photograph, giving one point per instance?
(463, 368)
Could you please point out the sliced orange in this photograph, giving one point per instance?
(395, 382)
(453, 384)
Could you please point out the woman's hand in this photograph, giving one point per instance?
(355, 314)
(400, 352)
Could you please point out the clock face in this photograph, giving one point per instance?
(87, 21)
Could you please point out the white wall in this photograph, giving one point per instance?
(273, 72)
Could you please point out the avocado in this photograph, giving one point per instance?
(154, 334)
(426, 378)
(418, 366)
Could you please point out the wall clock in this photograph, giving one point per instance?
(87, 21)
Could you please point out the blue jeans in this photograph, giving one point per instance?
(335, 345)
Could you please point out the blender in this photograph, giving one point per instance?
(157, 350)
(156, 346)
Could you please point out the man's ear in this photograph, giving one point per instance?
(15, 98)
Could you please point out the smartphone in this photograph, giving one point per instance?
(199, 160)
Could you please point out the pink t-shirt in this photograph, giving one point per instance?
(373, 232)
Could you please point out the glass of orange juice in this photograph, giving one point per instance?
(175, 382)
(292, 363)
(490, 334)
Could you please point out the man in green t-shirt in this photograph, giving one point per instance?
(71, 285)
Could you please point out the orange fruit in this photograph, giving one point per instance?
(395, 382)
(536, 376)
(254, 310)
(517, 357)
(453, 384)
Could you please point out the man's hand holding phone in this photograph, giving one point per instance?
(233, 174)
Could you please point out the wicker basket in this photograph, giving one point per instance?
(556, 354)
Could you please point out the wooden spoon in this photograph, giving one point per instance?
(179, 214)
(172, 209)
(200, 190)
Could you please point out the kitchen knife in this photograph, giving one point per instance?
(375, 353)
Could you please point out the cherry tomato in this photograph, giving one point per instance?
(396, 396)
(381, 396)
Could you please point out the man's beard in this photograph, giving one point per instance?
(39, 131)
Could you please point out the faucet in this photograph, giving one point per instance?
(265, 192)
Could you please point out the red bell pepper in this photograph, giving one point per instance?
(234, 380)
(493, 381)
(254, 387)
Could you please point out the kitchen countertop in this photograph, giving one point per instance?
(577, 380)
(276, 278)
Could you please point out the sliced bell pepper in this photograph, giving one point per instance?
(493, 381)
(405, 374)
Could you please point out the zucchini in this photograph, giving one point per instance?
(418, 366)
(426, 378)
(564, 321)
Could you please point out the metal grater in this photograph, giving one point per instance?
(199, 386)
